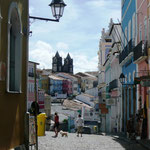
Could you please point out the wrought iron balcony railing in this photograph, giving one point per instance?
(113, 84)
(140, 51)
(126, 51)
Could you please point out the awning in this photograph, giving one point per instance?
(101, 85)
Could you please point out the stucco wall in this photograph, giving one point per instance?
(13, 106)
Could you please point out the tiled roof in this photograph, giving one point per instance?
(75, 104)
(56, 77)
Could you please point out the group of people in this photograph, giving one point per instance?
(134, 126)
(79, 123)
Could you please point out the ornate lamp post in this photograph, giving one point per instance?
(57, 7)
(122, 78)
(122, 81)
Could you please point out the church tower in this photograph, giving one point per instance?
(68, 64)
(57, 63)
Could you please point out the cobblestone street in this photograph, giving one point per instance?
(87, 142)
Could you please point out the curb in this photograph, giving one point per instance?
(144, 145)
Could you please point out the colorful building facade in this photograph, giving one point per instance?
(13, 72)
(128, 22)
(31, 84)
(141, 59)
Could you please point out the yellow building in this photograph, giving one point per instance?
(13, 72)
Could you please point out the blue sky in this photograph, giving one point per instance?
(77, 33)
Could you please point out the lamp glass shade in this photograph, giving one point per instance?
(122, 78)
(57, 7)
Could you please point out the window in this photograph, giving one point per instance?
(125, 36)
(55, 67)
(14, 50)
(145, 28)
(133, 75)
(129, 77)
(129, 30)
(133, 27)
(140, 33)
(126, 78)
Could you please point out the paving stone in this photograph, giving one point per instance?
(87, 142)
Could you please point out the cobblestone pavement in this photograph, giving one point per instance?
(87, 142)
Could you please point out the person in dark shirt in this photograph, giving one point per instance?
(56, 124)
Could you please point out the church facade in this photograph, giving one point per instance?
(58, 66)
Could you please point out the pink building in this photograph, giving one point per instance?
(31, 84)
(141, 59)
(67, 87)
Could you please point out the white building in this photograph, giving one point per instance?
(86, 80)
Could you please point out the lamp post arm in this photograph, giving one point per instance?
(46, 19)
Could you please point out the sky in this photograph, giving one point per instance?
(78, 32)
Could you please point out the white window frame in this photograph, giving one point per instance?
(129, 30)
(126, 31)
(140, 32)
(16, 35)
(133, 75)
(145, 28)
(133, 27)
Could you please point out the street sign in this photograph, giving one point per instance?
(102, 105)
(145, 83)
(104, 111)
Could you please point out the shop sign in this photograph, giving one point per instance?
(114, 93)
(145, 83)
(110, 101)
(104, 111)
(102, 105)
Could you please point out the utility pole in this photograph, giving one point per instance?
(35, 95)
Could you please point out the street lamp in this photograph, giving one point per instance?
(57, 7)
(122, 81)
(122, 78)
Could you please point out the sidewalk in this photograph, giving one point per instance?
(144, 143)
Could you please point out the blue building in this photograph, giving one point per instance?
(126, 60)
(56, 85)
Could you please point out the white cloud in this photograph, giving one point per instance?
(78, 31)
(62, 46)
(42, 53)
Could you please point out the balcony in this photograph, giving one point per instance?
(126, 51)
(140, 52)
(31, 74)
(113, 84)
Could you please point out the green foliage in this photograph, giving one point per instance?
(65, 121)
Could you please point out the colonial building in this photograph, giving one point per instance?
(57, 65)
(13, 72)
(86, 80)
(140, 58)
(103, 77)
(126, 60)
(31, 84)
(73, 79)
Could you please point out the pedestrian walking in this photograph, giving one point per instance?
(80, 123)
(56, 124)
